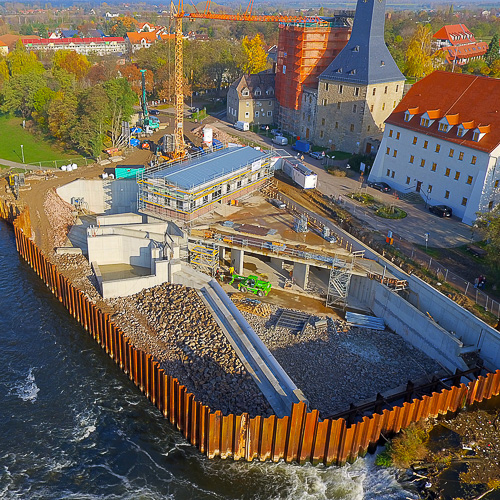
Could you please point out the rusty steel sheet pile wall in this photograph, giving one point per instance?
(301, 437)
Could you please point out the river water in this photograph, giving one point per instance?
(73, 426)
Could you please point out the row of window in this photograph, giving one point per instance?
(257, 92)
(437, 149)
(392, 173)
(324, 102)
(356, 90)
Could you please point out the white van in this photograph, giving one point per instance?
(244, 126)
(280, 140)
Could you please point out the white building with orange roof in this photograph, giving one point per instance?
(4, 49)
(443, 142)
(458, 44)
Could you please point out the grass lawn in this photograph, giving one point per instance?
(36, 149)
(339, 155)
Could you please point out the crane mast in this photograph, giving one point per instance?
(178, 13)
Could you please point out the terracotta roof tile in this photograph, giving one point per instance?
(471, 97)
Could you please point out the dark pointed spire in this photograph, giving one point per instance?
(365, 59)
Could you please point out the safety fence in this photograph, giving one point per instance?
(301, 437)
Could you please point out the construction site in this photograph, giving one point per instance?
(220, 272)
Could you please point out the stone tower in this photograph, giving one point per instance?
(360, 88)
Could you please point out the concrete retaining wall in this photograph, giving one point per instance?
(119, 249)
(130, 286)
(410, 323)
(467, 327)
(103, 196)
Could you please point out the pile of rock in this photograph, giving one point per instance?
(217, 134)
(336, 364)
(60, 215)
(172, 323)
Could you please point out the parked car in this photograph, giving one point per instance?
(277, 203)
(441, 210)
(264, 127)
(154, 112)
(318, 155)
(276, 131)
(381, 186)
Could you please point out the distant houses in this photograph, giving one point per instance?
(458, 44)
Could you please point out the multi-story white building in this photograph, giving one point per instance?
(443, 141)
(101, 46)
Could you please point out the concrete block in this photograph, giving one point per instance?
(301, 274)
(237, 259)
(68, 251)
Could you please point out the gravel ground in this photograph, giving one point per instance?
(338, 364)
(172, 323)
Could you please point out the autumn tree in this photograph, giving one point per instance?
(134, 77)
(255, 57)
(72, 62)
(22, 62)
(419, 61)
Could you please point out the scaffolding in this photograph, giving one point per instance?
(206, 257)
(160, 196)
(338, 284)
(305, 50)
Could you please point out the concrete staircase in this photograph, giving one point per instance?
(78, 232)
(412, 197)
(272, 380)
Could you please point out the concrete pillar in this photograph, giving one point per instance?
(277, 263)
(301, 274)
(222, 253)
(237, 258)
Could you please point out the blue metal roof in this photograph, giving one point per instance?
(194, 173)
(365, 59)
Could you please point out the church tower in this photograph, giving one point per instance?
(360, 88)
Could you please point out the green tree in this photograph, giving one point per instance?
(4, 72)
(22, 62)
(489, 224)
(492, 54)
(418, 54)
(88, 136)
(41, 101)
(19, 93)
(62, 115)
(255, 56)
(121, 100)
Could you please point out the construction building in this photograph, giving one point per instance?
(304, 51)
(195, 187)
(360, 88)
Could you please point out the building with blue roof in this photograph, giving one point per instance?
(360, 88)
(194, 187)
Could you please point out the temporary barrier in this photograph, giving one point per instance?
(301, 437)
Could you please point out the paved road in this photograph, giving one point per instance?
(442, 232)
(13, 164)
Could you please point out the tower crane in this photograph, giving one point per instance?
(179, 14)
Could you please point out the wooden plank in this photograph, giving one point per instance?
(253, 438)
(280, 439)
(294, 433)
(227, 436)
(267, 438)
(194, 416)
(308, 437)
(320, 443)
(240, 435)
(336, 441)
(214, 434)
(188, 397)
(203, 429)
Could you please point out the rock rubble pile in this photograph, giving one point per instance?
(172, 323)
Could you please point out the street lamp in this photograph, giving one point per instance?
(22, 152)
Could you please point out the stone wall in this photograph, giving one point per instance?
(348, 115)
